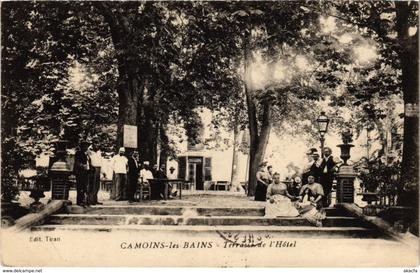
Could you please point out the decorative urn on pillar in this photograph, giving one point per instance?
(346, 173)
(59, 172)
(40, 184)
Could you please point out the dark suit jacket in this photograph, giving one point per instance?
(316, 171)
(81, 158)
(330, 164)
(133, 170)
(161, 174)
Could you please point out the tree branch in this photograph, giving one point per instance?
(380, 33)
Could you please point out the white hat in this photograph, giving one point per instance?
(146, 162)
(122, 149)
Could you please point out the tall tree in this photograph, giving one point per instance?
(265, 29)
(39, 45)
(394, 24)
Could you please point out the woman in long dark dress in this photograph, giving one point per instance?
(262, 184)
(310, 202)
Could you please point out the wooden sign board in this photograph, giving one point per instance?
(130, 136)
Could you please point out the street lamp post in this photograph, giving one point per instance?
(322, 122)
(322, 139)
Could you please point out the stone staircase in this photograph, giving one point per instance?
(199, 220)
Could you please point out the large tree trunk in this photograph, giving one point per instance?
(258, 142)
(128, 93)
(410, 81)
(252, 119)
(130, 84)
(164, 145)
(148, 134)
(237, 136)
(254, 159)
(258, 138)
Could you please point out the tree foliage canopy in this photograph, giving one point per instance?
(84, 69)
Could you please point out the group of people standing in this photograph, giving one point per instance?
(323, 171)
(128, 173)
(306, 200)
(87, 169)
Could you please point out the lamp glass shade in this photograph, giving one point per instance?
(322, 121)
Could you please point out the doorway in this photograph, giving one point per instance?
(195, 172)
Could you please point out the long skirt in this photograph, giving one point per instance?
(260, 192)
(82, 182)
(310, 213)
(282, 206)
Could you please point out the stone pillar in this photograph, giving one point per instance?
(345, 184)
(59, 173)
(346, 174)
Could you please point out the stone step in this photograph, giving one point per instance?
(96, 219)
(180, 210)
(202, 231)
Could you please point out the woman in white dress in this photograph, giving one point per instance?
(279, 200)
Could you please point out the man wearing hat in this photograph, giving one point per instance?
(120, 167)
(315, 168)
(328, 168)
(312, 167)
(82, 169)
(96, 159)
(145, 172)
(133, 175)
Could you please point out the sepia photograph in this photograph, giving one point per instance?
(223, 134)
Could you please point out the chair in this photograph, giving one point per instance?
(106, 185)
(212, 186)
(220, 184)
(143, 192)
(188, 185)
(244, 185)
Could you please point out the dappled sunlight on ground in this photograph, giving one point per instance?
(191, 198)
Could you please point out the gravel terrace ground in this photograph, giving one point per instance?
(189, 198)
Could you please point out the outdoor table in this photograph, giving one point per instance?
(166, 183)
(224, 184)
(189, 184)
